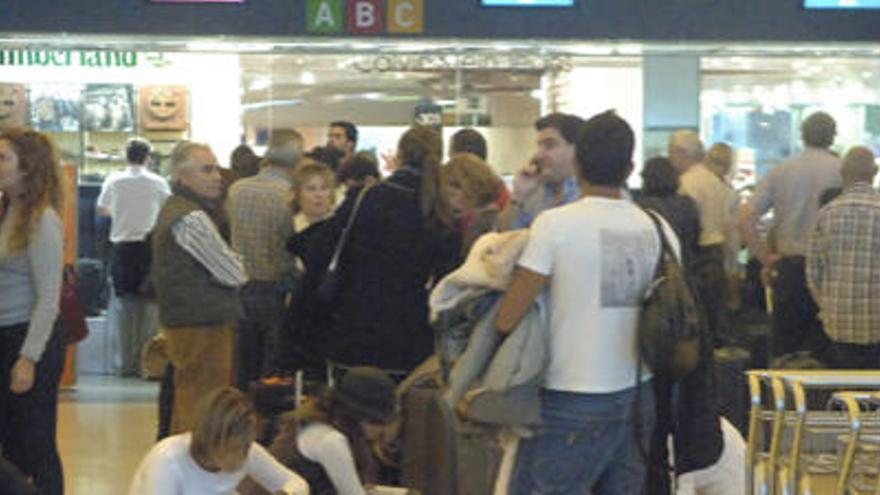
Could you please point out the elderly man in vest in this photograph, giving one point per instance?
(197, 277)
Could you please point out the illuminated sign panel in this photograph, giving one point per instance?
(842, 4)
(527, 3)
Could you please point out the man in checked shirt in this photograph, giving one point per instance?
(843, 265)
(197, 277)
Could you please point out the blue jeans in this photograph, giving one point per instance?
(586, 444)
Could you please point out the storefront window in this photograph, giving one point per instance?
(757, 104)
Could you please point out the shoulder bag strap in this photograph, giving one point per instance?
(343, 237)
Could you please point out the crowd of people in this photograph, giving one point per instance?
(293, 260)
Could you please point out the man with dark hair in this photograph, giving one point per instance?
(549, 180)
(343, 135)
(132, 198)
(793, 190)
(597, 256)
(468, 141)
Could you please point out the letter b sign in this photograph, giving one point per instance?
(365, 16)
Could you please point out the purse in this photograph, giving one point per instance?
(72, 312)
(329, 286)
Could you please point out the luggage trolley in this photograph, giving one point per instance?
(785, 459)
(861, 458)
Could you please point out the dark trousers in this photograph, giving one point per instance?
(855, 356)
(12, 482)
(796, 325)
(130, 267)
(28, 421)
(710, 280)
(258, 333)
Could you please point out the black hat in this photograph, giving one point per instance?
(370, 392)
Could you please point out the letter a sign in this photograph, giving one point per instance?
(324, 16)
(365, 16)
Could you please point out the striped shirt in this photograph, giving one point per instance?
(843, 266)
(198, 236)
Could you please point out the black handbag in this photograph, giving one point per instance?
(327, 290)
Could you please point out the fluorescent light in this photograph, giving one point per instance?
(307, 78)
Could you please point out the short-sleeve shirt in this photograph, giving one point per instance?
(793, 190)
(133, 197)
(600, 255)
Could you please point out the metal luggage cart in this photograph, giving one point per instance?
(800, 440)
(860, 464)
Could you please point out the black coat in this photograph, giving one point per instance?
(380, 314)
(683, 216)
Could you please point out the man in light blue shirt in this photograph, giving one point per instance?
(549, 179)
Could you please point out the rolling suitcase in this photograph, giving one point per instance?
(441, 454)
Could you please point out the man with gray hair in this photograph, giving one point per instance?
(715, 201)
(792, 190)
(260, 221)
(197, 277)
(843, 258)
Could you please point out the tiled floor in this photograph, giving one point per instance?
(105, 427)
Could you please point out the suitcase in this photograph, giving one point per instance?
(93, 286)
(731, 386)
(441, 454)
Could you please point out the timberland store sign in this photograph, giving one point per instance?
(14, 57)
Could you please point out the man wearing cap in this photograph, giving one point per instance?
(793, 191)
(843, 260)
(260, 221)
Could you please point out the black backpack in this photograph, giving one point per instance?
(670, 330)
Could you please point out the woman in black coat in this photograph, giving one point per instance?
(660, 183)
(400, 243)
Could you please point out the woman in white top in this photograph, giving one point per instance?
(214, 458)
(328, 439)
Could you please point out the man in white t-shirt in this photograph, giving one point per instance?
(596, 258)
(132, 198)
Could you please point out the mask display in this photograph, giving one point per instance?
(13, 105)
(164, 108)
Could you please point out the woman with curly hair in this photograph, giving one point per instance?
(31, 344)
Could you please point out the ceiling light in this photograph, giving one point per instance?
(307, 78)
(259, 84)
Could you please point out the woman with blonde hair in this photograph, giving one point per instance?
(215, 456)
(314, 194)
(471, 189)
(31, 342)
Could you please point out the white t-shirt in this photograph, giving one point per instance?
(321, 443)
(169, 469)
(134, 197)
(600, 255)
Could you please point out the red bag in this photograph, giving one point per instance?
(73, 315)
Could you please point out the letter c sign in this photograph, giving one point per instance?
(406, 16)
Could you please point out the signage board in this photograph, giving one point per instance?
(527, 3)
(842, 4)
(198, 1)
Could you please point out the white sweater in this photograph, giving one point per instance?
(169, 469)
